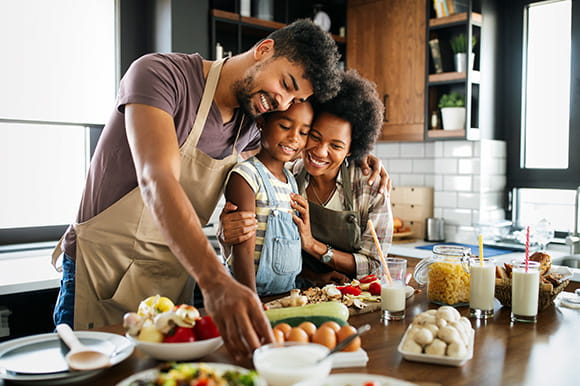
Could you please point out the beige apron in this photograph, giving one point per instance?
(121, 256)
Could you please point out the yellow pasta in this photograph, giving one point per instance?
(448, 283)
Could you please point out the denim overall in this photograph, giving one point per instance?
(280, 260)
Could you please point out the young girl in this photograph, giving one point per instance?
(269, 262)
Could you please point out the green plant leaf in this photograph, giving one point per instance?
(453, 99)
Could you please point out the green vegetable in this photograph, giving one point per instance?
(317, 320)
(334, 309)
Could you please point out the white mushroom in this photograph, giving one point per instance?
(132, 323)
(456, 350)
(448, 313)
(423, 336)
(449, 334)
(431, 312)
(437, 347)
(186, 315)
(411, 346)
(441, 323)
(461, 330)
(433, 327)
(165, 321)
(423, 319)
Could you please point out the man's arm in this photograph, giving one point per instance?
(235, 308)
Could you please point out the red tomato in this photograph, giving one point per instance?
(205, 328)
(375, 288)
(180, 335)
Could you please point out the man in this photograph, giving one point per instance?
(158, 171)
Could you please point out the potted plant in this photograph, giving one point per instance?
(452, 107)
(459, 46)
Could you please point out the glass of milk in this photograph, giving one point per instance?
(284, 364)
(393, 292)
(481, 287)
(525, 291)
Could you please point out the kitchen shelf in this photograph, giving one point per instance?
(456, 19)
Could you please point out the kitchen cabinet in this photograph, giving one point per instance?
(237, 33)
(386, 43)
(466, 83)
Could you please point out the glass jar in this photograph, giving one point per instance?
(446, 275)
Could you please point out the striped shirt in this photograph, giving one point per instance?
(370, 204)
(249, 173)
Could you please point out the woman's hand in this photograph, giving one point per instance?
(373, 165)
(236, 226)
(300, 204)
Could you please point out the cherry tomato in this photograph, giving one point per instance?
(180, 335)
(205, 328)
(375, 288)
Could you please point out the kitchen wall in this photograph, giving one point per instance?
(468, 178)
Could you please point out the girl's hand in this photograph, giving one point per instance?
(300, 204)
(374, 165)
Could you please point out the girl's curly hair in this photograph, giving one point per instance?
(305, 43)
(358, 103)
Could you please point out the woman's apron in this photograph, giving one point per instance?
(340, 229)
(121, 256)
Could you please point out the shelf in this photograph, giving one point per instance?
(452, 77)
(445, 133)
(458, 18)
(257, 23)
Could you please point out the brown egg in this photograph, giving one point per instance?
(284, 327)
(346, 331)
(333, 325)
(325, 336)
(297, 334)
(309, 328)
(278, 336)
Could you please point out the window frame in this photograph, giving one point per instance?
(512, 50)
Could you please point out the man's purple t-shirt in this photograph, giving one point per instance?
(173, 83)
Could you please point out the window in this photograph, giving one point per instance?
(542, 110)
(58, 76)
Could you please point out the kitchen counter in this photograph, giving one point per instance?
(408, 249)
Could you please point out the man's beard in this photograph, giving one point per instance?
(244, 98)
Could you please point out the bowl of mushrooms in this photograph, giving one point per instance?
(441, 336)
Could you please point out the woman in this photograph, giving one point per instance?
(336, 201)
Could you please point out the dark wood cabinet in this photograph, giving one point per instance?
(386, 43)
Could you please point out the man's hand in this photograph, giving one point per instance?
(236, 226)
(239, 315)
(373, 165)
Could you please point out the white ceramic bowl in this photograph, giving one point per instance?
(287, 363)
(178, 351)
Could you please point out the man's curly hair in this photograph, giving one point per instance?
(305, 43)
(358, 103)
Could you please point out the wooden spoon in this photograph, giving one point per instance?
(81, 357)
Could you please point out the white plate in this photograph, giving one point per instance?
(437, 359)
(178, 351)
(52, 367)
(356, 380)
(151, 374)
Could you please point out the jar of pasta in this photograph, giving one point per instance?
(446, 275)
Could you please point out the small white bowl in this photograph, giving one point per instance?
(178, 351)
(287, 363)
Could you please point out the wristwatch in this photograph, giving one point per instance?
(327, 257)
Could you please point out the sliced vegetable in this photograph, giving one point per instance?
(368, 278)
(334, 309)
(350, 290)
(375, 289)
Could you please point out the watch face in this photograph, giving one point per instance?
(322, 20)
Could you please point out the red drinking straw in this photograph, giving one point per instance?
(527, 246)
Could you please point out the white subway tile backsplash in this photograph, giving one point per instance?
(400, 166)
(465, 235)
(493, 148)
(468, 166)
(430, 149)
(457, 216)
(457, 183)
(492, 200)
(458, 149)
(413, 150)
(395, 178)
(438, 182)
(412, 180)
(423, 166)
(439, 149)
(468, 200)
(438, 212)
(493, 183)
(388, 150)
(429, 180)
(445, 199)
(476, 184)
(446, 165)
(450, 231)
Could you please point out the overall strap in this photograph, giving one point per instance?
(270, 192)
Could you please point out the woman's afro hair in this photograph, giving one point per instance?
(358, 103)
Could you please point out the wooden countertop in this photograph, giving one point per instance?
(504, 353)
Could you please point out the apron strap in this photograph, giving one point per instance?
(301, 179)
(56, 254)
(346, 186)
(205, 104)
